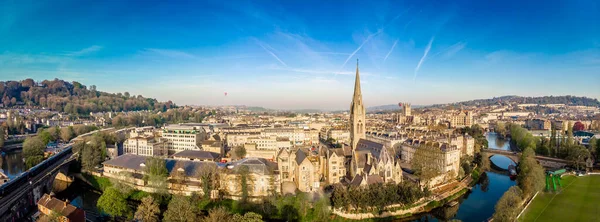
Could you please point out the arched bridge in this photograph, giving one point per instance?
(548, 162)
(19, 195)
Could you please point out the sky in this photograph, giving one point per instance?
(303, 54)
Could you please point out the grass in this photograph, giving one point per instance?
(99, 183)
(577, 201)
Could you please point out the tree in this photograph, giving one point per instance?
(54, 133)
(578, 155)
(507, 208)
(593, 143)
(33, 151)
(1, 137)
(67, 133)
(578, 126)
(209, 177)
(244, 172)
(180, 209)
(156, 174)
(240, 152)
(121, 182)
(93, 153)
(570, 140)
(531, 177)
(113, 203)
(247, 217)
(220, 214)
(45, 136)
(148, 211)
(500, 128)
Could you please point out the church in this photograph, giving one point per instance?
(371, 161)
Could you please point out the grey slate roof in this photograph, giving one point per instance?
(197, 154)
(131, 161)
(255, 165)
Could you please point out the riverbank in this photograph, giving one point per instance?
(424, 205)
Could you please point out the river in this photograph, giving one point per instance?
(478, 204)
(12, 164)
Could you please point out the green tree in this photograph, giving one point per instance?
(1, 137)
(247, 217)
(45, 136)
(113, 203)
(220, 214)
(240, 152)
(33, 151)
(570, 140)
(156, 174)
(148, 210)
(181, 209)
(593, 144)
(507, 208)
(209, 177)
(531, 177)
(244, 173)
(67, 133)
(54, 133)
(578, 154)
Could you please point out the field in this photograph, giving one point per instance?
(579, 200)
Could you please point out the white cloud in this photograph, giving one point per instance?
(170, 53)
(85, 51)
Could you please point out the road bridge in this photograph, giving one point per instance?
(20, 195)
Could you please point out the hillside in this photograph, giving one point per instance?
(73, 97)
(569, 100)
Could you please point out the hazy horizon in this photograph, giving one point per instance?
(287, 55)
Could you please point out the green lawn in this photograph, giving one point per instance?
(579, 200)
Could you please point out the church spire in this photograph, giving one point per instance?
(357, 113)
(357, 93)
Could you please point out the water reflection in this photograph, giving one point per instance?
(501, 161)
(12, 164)
(495, 142)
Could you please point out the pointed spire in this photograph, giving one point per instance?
(357, 92)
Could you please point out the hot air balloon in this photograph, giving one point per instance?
(225, 93)
(400, 104)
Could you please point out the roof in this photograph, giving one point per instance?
(255, 165)
(371, 179)
(300, 156)
(134, 162)
(197, 154)
(369, 146)
(73, 213)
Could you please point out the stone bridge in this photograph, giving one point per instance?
(547, 162)
(19, 196)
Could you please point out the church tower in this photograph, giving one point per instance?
(357, 113)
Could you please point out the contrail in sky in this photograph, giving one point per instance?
(359, 47)
(273, 54)
(392, 49)
(423, 58)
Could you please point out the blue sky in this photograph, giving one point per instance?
(281, 54)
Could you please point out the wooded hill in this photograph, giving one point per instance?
(73, 97)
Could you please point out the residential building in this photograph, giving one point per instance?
(339, 135)
(66, 212)
(145, 146)
(461, 119)
(182, 137)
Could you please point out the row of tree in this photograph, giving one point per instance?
(34, 147)
(376, 196)
(531, 179)
(557, 146)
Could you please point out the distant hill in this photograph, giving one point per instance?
(73, 97)
(568, 100)
(390, 107)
